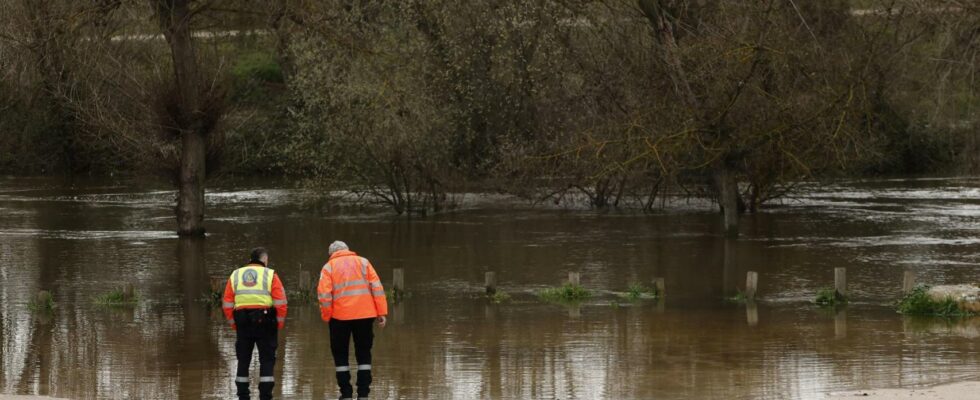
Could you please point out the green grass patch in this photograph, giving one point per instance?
(117, 298)
(567, 293)
(637, 291)
(212, 299)
(259, 66)
(739, 298)
(828, 297)
(498, 297)
(395, 296)
(918, 302)
(255, 77)
(43, 303)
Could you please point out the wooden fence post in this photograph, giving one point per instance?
(574, 279)
(751, 284)
(490, 282)
(908, 282)
(398, 280)
(840, 281)
(304, 283)
(659, 286)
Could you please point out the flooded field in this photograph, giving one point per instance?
(447, 342)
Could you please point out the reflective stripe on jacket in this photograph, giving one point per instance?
(254, 286)
(349, 288)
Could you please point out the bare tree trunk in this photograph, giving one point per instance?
(190, 200)
(175, 17)
(725, 181)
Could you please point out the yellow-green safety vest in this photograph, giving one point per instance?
(253, 286)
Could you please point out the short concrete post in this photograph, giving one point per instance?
(908, 282)
(751, 284)
(490, 282)
(840, 281)
(129, 292)
(574, 279)
(303, 283)
(398, 280)
(659, 286)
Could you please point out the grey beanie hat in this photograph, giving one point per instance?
(337, 246)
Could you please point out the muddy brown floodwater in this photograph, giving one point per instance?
(445, 341)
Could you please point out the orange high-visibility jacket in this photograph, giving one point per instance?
(349, 288)
(275, 290)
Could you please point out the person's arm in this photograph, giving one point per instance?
(228, 304)
(324, 292)
(279, 300)
(378, 293)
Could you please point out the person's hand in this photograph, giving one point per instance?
(382, 321)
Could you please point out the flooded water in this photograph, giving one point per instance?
(447, 342)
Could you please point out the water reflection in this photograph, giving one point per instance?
(448, 342)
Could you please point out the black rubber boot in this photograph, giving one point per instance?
(243, 393)
(363, 383)
(343, 381)
(265, 390)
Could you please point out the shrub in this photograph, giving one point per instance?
(918, 302)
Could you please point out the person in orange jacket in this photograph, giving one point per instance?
(351, 300)
(255, 307)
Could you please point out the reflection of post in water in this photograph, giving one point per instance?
(751, 313)
(575, 310)
(729, 269)
(840, 324)
(398, 311)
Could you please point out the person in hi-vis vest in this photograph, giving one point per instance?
(351, 300)
(255, 307)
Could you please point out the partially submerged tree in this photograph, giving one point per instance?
(191, 109)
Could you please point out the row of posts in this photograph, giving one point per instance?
(840, 282)
(575, 278)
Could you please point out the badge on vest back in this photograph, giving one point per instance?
(250, 278)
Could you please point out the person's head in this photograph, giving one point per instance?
(337, 246)
(260, 255)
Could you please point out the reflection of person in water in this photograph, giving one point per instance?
(255, 307)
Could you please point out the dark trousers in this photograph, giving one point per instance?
(340, 335)
(256, 328)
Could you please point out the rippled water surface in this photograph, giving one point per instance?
(445, 341)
